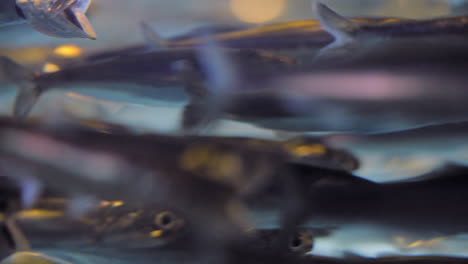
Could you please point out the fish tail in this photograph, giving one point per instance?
(342, 29)
(12, 72)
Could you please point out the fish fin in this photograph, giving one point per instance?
(27, 96)
(152, 38)
(341, 28)
(32, 257)
(25, 100)
(221, 78)
(18, 237)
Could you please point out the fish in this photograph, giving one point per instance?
(288, 37)
(403, 153)
(425, 204)
(176, 173)
(350, 37)
(389, 87)
(155, 69)
(57, 18)
(125, 231)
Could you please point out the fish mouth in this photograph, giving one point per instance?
(58, 18)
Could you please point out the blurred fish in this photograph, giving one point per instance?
(203, 177)
(399, 84)
(404, 153)
(295, 37)
(58, 18)
(428, 204)
(152, 41)
(155, 69)
(350, 36)
(127, 232)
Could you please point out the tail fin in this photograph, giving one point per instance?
(341, 28)
(12, 72)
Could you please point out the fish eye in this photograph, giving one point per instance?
(166, 220)
(302, 242)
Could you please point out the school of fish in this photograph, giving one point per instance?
(369, 124)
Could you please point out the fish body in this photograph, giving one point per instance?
(305, 34)
(401, 84)
(288, 37)
(428, 204)
(350, 37)
(155, 68)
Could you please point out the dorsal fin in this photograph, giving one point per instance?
(152, 39)
(341, 28)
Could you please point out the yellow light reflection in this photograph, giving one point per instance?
(427, 244)
(50, 67)
(156, 233)
(306, 150)
(68, 51)
(112, 203)
(34, 214)
(257, 11)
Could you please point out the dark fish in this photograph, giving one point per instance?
(155, 69)
(203, 177)
(400, 84)
(58, 18)
(154, 42)
(429, 203)
(351, 36)
(116, 229)
(287, 36)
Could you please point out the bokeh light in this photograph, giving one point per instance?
(68, 51)
(257, 11)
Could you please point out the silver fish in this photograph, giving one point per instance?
(389, 87)
(351, 37)
(154, 68)
(58, 18)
